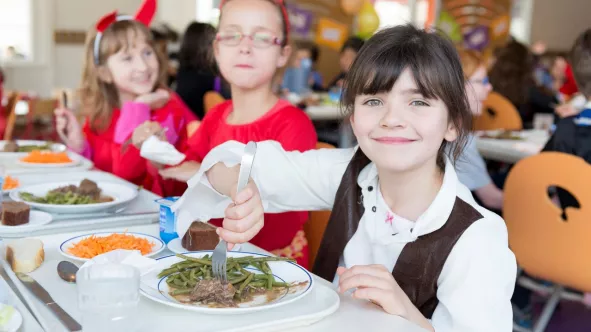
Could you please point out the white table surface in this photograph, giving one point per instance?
(511, 151)
(352, 315)
(324, 112)
(7, 296)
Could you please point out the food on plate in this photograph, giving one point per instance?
(200, 236)
(25, 255)
(10, 183)
(97, 245)
(6, 313)
(87, 192)
(15, 213)
(13, 146)
(191, 281)
(47, 157)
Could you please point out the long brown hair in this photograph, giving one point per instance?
(512, 73)
(98, 97)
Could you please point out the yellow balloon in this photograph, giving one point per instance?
(351, 7)
(368, 20)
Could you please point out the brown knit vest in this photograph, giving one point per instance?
(420, 262)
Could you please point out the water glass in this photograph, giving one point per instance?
(108, 297)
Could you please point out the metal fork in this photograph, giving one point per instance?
(219, 256)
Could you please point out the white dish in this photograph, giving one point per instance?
(15, 321)
(75, 161)
(63, 249)
(176, 246)
(121, 193)
(55, 147)
(36, 219)
(156, 289)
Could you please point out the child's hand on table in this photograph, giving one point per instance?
(376, 284)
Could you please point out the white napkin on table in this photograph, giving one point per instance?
(126, 257)
(161, 152)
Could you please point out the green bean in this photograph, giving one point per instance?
(270, 280)
(266, 268)
(280, 284)
(245, 283)
(183, 277)
(240, 279)
(181, 292)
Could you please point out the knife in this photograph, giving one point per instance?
(43, 295)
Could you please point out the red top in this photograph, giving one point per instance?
(109, 156)
(569, 87)
(285, 124)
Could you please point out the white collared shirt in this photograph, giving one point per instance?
(478, 277)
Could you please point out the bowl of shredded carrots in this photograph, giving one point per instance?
(86, 247)
(39, 158)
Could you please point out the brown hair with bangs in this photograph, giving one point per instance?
(98, 97)
(434, 64)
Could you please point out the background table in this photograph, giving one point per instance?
(511, 151)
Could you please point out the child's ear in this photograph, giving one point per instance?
(104, 74)
(452, 133)
(284, 57)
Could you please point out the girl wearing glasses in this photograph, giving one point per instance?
(250, 46)
(470, 167)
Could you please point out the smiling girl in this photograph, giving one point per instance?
(404, 232)
(123, 97)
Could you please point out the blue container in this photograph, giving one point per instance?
(167, 219)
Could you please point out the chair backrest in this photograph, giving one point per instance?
(43, 107)
(498, 113)
(316, 225)
(13, 99)
(211, 99)
(546, 246)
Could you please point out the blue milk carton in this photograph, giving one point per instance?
(167, 219)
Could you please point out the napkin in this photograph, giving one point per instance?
(161, 152)
(126, 257)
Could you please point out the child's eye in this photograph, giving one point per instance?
(418, 103)
(373, 102)
(127, 58)
(148, 52)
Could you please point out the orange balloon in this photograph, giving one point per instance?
(351, 7)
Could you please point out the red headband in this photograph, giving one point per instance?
(281, 4)
(144, 15)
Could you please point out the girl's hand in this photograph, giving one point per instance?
(376, 284)
(244, 218)
(182, 172)
(156, 99)
(69, 129)
(145, 130)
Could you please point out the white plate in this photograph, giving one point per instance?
(55, 147)
(176, 246)
(122, 194)
(158, 244)
(15, 321)
(156, 289)
(75, 161)
(36, 219)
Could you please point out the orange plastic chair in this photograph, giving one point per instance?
(13, 99)
(316, 225)
(498, 113)
(546, 246)
(211, 99)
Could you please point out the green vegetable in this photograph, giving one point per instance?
(184, 275)
(59, 198)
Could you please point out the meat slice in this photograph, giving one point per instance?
(214, 291)
(89, 188)
(11, 146)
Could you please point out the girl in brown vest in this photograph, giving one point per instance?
(404, 232)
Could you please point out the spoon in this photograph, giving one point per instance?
(67, 271)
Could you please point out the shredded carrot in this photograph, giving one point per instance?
(47, 157)
(96, 245)
(10, 183)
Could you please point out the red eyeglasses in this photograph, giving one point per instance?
(281, 5)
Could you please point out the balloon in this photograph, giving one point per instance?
(351, 7)
(368, 20)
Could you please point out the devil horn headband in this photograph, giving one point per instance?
(144, 15)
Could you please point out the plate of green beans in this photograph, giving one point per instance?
(255, 282)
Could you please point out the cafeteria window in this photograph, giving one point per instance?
(16, 42)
